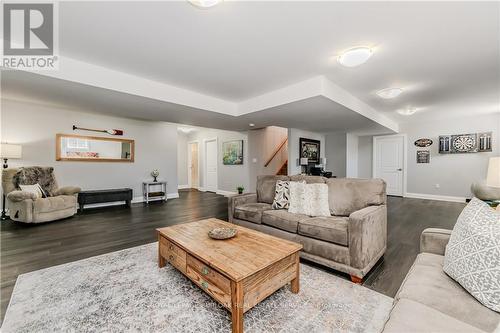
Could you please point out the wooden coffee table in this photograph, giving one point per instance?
(238, 272)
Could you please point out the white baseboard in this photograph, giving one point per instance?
(226, 193)
(435, 197)
(140, 199)
(182, 187)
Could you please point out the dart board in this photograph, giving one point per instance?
(464, 143)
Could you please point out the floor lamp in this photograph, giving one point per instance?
(8, 151)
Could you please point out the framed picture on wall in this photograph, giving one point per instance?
(423, 156)
(310, 149)
(232, 152)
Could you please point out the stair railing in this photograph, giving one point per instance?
(276, 151)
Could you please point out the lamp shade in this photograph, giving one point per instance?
(304, 161)
(10, 151)
(493, 178)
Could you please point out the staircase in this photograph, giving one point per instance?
(283, 171)
(281, 150)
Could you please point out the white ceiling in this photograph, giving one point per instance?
(322, 115)
(446, 55)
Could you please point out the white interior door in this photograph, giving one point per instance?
(389, 162)
(211, 165)
(193, 165)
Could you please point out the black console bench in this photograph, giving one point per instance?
(100, 196)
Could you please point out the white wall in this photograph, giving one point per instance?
(293, 147)
(352, 155)
(365, 156)
(453, 172)
(228, 176)
(182, 159)
(335, 152)
(35, 127)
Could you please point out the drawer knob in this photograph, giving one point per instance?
(171, 247)
(171, 257)
(204, 284)
(205, 270)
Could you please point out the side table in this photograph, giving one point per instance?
(154, 191)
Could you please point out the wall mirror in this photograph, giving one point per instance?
(71, 147)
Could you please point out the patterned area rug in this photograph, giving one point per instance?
(125, 291)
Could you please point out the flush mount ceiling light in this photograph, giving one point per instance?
(389, 93)
(204, 3)
(355, 56)
(251, 125)
(407, 111)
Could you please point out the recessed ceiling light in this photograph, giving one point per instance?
(389, 93)
(355, 56)
(204, 3)
(407, 111)
(251, 125)
(186, 129)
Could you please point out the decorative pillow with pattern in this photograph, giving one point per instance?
(472, 256)
(317, 200)
(282, 195)
(298, 198)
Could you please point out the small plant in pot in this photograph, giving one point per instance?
(240, 189)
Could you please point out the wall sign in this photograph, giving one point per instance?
(465, 143)
(423, 142)
(423, 156)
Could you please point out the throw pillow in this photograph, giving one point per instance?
(317, 200)
(282, 195)
(35, 189)
(297, 198)
(472, 256)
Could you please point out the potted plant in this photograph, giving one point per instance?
(240, 189)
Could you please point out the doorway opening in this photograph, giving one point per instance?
(193, 165)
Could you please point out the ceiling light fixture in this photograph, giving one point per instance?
(389, 93)
(251, 125)
(407, 111)
(204, 3)
(186, 129)
(355, 56)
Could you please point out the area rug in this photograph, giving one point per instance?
(125, 291)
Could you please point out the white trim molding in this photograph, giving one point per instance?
(226, 193)
(182, 187)
(435, 197)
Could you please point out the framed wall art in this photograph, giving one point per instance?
(465, 143)
(310, 149)
(232, 152)
(423, 156)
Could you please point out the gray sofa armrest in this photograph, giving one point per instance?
(238, 200)
(67, 190)
(17, 196)
(367, 236)
(434, 240)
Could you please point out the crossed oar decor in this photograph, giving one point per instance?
(109, 131)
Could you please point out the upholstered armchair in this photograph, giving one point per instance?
(26, 207)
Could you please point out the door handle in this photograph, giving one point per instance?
(399, 169)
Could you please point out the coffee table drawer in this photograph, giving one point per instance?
(173, 254)
(209, 287)
(209, 274)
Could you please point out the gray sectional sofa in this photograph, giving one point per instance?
(351, 240)
(430, 301)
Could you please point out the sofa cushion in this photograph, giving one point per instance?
(308, 179)
(251, 211)
(282, 219)
(347, 195)
(412, 317)
(51, 204)
(331, 229)
(282, 195)
(327, 250)
(428, 284)
(266, 187)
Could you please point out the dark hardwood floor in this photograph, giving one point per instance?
(25, 248)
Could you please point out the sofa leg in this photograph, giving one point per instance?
(356, 279)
